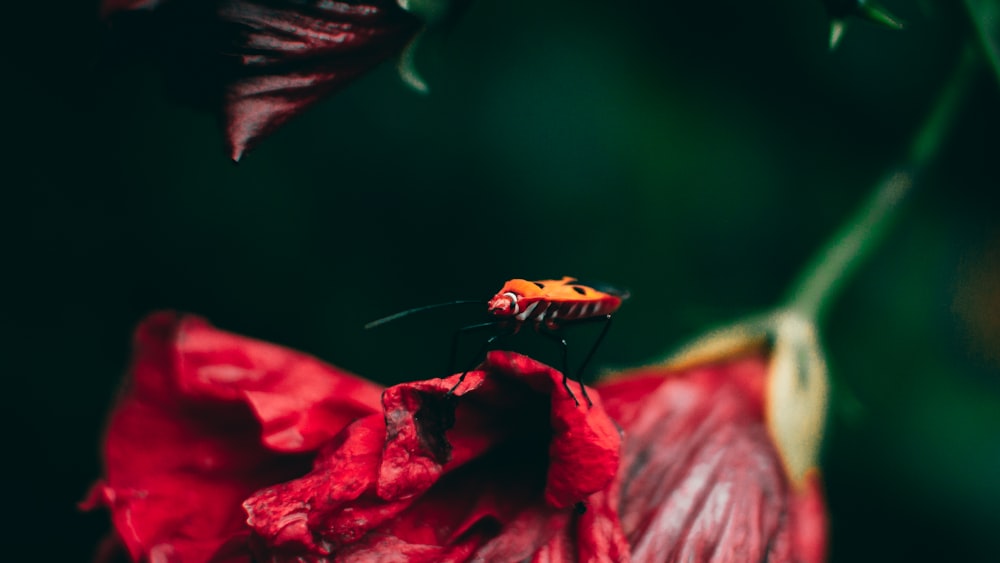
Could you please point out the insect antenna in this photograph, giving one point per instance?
(401, 314)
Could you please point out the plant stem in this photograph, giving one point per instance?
(823, 278)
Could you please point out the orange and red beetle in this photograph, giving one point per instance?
(548, 305)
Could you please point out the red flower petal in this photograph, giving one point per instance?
(262, 62)
(808, 511)
(200, 427)
(491, 473)
(598, 536)
(584, 448)
(700, 478)
(295, 54)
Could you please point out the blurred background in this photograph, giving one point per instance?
(695, 153)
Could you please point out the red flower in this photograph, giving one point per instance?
(261, 62)
(223, 447)
(497, 471)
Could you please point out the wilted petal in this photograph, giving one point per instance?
(700, 478)
(202, 424)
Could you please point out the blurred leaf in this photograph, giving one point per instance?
(985, 16)
(840, 10)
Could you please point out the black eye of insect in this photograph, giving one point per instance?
(540, 285)
(579, 290)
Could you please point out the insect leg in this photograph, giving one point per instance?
(482, 352)
(565, 355)
(583, 367)
(457, 335)
(600, 337)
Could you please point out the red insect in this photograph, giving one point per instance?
(547, 305)
(552, 302)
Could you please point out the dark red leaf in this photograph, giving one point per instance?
(259, 63)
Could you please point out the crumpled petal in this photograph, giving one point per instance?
(700, 478)
(299, 401)
(492, 473)
(209, 417)
(262, 62)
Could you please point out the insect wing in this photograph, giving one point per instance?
(571, 289)
(607, 289)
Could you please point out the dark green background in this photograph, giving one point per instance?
(696, 153)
